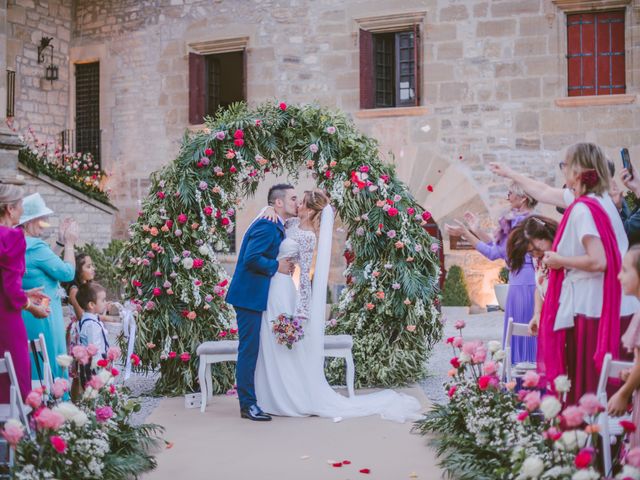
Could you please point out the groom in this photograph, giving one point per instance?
(249, 290)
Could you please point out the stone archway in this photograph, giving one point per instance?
(171, 268)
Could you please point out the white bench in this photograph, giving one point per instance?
(227, 351)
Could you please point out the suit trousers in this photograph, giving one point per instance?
(249, 334)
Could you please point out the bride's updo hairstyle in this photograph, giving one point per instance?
(315, 200)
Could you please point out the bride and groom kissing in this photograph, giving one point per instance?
(291, 381)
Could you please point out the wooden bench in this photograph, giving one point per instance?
(227, 351)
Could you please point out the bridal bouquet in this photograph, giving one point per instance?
(288, 330)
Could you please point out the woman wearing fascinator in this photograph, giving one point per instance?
(522, 283)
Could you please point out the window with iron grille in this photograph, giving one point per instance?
(87, 133)
(215, 81)
(390, 68)
(595, 53)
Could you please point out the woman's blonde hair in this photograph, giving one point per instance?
(315, 200)
(517, 189)
(10, 194)
(588, 160)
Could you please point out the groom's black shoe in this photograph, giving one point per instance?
(254, 413)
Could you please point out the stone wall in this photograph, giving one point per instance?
(94, 218)
(493, 87)
(40, 104)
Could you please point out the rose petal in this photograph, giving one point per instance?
(337, 464)
(366, 471)
(346, 462)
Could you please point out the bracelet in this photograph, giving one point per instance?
(59, 243)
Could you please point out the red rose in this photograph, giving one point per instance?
(198, 263)
(238, 142)
(583, 459)
(102, 363)
(115, 372)
(426, 216)
(207, 211)
(184, 313)
(182, 218)
(200, 164)
(185, 357)
(135, 359)
(522, 416)
(169, 223)
(283, 106)
(389, 201)
(238, 134)
(392, 212)
(136, 283)
(157, 292)
(172, 354)
(222, 334)
(628, 426)
(58, 443)
(411, 211)
(327, 174)
(455, 363)
(385, 178)
(483, 382)
(208, 152)
(223, 283)
(233, 169)
(233, 331)
(429, 188)
(225, 221)
(160, 195)
(450, 339)
(452, 391)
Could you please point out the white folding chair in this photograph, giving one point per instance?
(15, 408)
(38, 349)
(514, 330)
(610, 427)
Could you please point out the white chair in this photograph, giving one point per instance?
(514, 330)
(38, 349)
(609, 426)
(15, 408)
(227, 351)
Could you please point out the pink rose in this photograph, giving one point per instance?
(490, 368)
(480, 355)
(135, 359)
(103, 414)
(457, 342)
(59, 387)
(208, 152)
(530, 379)
(532, 400)
(13, 431)
(452, 391)
(573, 416)
(470, 348)
(81, 354)
(47, 418)
(182, 218)
(392, 211)
(34, 399)
(459, 325)
(426, 216)
(238, 134)
(484, 382)
(185, 357)
(58, 443)
(113, 353)
(633, 457)
(283, 106)
(96, 382)
(207, 211)
(157, 292)
(590, 404)
(238, 142)
(522, 416)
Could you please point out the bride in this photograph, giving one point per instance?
(292, 382)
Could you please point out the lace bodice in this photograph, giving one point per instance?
(306, 242)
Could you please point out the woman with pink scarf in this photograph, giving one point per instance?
(580, 320)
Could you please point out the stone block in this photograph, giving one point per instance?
(16, 14)
(527, 143)
(525, 88)
(453, 91)
(539, 66)
(527, 122)
(480, 10)
(508, 69)
(441, 31)
(496, 28)
(535, 25)
(175, 82)
(529, 46)
(453, 13)
(347, 81)
(557, 142)
(514, 8)
(343, 42)
(450, 51)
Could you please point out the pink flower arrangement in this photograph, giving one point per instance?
(590, 404)
(47, 418)
(13, 432)
(532, 400)
(34, 399)
(81, 354)
(573, 416)
(59, 387)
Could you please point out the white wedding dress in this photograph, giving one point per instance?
(292, 382)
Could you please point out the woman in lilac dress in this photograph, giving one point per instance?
(522, 283)
(13, 335)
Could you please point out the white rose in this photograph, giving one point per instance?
(187, 263)
(80, 419)
(572, 440)
(550, 407)
(90, 393)
(464, 358)
(532, 467)
(589, 474)
(104, 375)
(64, 360)
(218, 245)
(629, 472)
(494, 346)
(499, 355)
(562, 383)
(204, 250)
(67, 409)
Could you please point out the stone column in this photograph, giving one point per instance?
(9, 143)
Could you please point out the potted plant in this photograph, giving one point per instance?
(502, 287)
(455, 296)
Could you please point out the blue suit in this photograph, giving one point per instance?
(248, 293)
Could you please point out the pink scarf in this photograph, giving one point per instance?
(551, 345)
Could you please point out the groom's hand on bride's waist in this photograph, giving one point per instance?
(286, 266)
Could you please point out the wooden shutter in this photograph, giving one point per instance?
(367, 77)
(197, 98)
(610, 50)
(417, 68)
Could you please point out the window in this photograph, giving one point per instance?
(390, 68)
(215, 80)
(595, 53)
(87, 134)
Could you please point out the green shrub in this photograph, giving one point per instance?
(503, 276)
(455, 292)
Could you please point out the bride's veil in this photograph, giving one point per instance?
(314, 334)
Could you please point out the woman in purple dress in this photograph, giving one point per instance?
(522, 283)
(13, 335)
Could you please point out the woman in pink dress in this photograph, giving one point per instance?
(13, 335)
(617, 406)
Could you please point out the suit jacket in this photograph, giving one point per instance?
(257, 263)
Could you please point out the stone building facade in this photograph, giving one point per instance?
(494, 87)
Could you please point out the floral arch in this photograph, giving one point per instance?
(174, 277)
